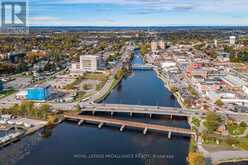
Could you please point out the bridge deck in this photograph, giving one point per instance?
(133, 124)
(151, 110)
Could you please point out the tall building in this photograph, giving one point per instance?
(162, 44)
(154, 46)
(89, 63)
(215, 43)
(232, 40)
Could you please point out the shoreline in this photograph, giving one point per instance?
(231, 161)
(166, 85)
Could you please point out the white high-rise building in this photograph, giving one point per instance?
(154, 46)
(88, 63)
(232, 40)
(215, 43)
(162, 44)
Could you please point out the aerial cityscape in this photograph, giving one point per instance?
(142, 82)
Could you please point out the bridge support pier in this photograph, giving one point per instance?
(80, 122)
(131, 114)
(100, 125)
(169, 135)
(145, 131)
(122, 128)
(112, 113)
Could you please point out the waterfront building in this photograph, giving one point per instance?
(39, 93)
(232, 40)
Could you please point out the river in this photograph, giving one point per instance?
(69, 143)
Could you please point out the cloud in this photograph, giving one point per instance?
(119, 12)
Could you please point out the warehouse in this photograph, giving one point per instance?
(39, 93)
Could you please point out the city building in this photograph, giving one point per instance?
(39, 93)
(223, 56)
(215, 43)
(22, 95)
(232, 40)
(162, 44)
(154, 46)
(234, 81)
(88, 63)
(16, 57)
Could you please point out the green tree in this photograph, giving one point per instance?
(219, 103)
(213, 121)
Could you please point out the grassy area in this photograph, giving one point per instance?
(74, 83)
(96, 76)
(80, 95)
(241, 143)
(6, 93)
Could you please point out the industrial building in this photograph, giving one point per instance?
(39, 93)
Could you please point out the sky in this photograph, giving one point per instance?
(138, 12)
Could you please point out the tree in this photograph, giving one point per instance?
(44, 107)
(219, 103)
(196, 158)
(174, 89)
(212, 122)
(120, 73)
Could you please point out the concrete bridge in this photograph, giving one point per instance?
(137, 109)
(123, 124)
(142, 67)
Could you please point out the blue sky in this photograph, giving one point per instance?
(137, 12)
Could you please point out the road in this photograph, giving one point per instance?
(126, 51)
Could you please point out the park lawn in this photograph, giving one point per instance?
(96, 76)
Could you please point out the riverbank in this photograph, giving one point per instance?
(233, 161)
(114, 83)
(168, 86)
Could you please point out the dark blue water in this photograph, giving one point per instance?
(88, 145)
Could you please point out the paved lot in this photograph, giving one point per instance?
(19, 83)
